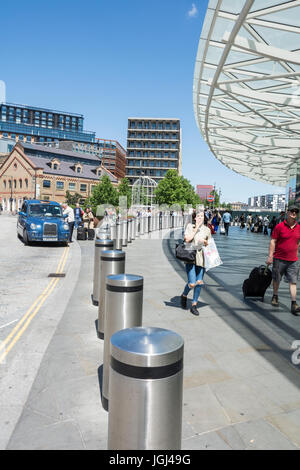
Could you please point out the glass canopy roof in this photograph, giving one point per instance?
(246, 91)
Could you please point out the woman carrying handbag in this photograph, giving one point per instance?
(198, 234)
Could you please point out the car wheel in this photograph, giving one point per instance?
(25, 238)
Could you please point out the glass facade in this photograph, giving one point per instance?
(41, 124)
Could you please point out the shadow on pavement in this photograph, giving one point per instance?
(223, 293)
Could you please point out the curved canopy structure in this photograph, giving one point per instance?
(247, 86)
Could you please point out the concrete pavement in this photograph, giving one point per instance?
(241, 389)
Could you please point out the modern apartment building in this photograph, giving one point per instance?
(153, 147)
(276, 202)
(23, 123)
(203, 190)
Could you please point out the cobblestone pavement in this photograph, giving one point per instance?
(241, 389)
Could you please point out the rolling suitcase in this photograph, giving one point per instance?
(91, 233)
(258, 282)
(81, 233)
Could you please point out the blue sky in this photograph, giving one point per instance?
(110, 60)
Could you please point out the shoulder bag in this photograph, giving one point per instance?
(185, 254)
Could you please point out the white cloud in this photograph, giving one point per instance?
(193, 11)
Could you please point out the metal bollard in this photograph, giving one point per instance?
(113, 231)
(146, 367)
(100, 245)
(124, 232)
(142, 225)
(137, 226)
(129, 229)
(118, 239)
(133, 230)
(123, 309)
(112, 262)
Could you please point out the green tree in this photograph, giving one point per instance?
(175, 189)
(72, 199)
(103, 193)
(125, 190)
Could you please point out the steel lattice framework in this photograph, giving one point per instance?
(247, 86)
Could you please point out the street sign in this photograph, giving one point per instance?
(210, 198)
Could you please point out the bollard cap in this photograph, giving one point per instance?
(110, 255)
(124, 281)
(147, 347)
(103, 242)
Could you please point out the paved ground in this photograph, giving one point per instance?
(241, 390)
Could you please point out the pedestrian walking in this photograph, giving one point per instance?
(272, 224)
(283, 253)
(88, 218)
(68, 213)
(242, 221)
(78, 213)
(226, 220)
(266, 225)
(198, 234)
(249, 221)
(216, 220)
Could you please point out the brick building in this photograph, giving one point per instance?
(33, 171)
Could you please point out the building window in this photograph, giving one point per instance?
(4, 182)
(46, 184)
(93, 186)
(26, 183)
(72, 186)
(59, 185)
(20, 184)
(83, 188)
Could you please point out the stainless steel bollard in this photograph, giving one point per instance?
(118, 239)
(129, 229)
(113, 232)
(124, 232)
(133, 230)
(112, 262)
(137, 226)
(142, 225)
(145, 389)
(123, 309)
(100, 245)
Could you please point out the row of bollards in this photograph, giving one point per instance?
(142, 366)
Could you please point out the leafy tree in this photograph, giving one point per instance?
(103, 193)
(175, 189)
(124, 189)
(72, 199)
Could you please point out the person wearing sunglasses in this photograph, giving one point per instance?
(283, 254)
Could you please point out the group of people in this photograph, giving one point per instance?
(283, 253)
(76, 217)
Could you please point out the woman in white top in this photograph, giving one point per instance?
(198, 235)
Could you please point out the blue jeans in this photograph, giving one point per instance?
(194, 274)
(77, 221)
